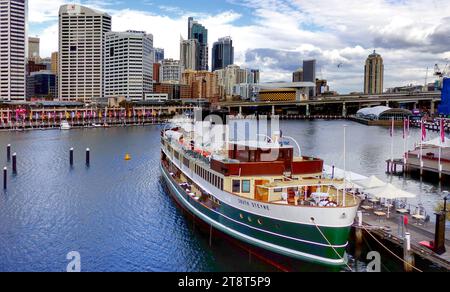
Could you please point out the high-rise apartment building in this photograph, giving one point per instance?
(374, 74)
(189, 52)
(170, 71)
(222, 53)
(13, 49)
(203, 84)
(230, 76)
(81, 52)
(200, 33)
(128, 70)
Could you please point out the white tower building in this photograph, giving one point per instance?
(170, 71)
(81, 45)
(129, 62)
(13, 49)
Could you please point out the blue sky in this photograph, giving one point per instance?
(276, 35)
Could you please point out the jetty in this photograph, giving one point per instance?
(393, 230)
(403, 225)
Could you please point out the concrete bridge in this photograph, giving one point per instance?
(342, 104)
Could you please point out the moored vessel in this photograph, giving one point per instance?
(65, 125)
(259, 192)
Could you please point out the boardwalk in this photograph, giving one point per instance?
(390, 230)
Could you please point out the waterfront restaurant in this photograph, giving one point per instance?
(382, 116)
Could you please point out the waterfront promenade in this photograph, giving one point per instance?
(21, 119)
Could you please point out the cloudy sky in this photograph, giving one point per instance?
(276, 35)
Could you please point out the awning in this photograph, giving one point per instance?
(390, 192)
(438, 143)
(371, 182)
(339, 174)
(301, 183)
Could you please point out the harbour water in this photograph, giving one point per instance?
(116, 213)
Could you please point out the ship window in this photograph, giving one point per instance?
(260, 222)
(236, 186)
(278, 190)
(242, 216)
(246, 186)
(250, 219)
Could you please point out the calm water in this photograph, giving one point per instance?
(117, 215)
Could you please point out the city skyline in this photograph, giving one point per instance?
(340, 38)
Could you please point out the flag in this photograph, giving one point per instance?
(392, 127)
(442, 131)
(424, 131)
(407, 127)
(405, 134)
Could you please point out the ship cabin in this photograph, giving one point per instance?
(266, 172)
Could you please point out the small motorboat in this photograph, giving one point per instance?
(96, 125)
(65, 125)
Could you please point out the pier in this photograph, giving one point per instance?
(392, 230)
(429, 163)
(390, 223)
(432, 125)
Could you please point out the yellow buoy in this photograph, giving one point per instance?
(127, 157)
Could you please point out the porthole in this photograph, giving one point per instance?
(260, 222)
(250, 219)
(242, 216)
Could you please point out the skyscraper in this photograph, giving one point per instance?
(309, 71)
(374, 74)
(81, 52)
(228, 77)
(129, 59)
(34, 49)
(309, 74)
(200, 33)
(13, 49)
(189, 52)
(159, 55)
(222, 53)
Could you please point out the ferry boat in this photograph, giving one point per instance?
(260, 193)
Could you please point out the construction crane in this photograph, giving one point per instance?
(440, 74)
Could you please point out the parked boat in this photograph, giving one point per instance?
(260, 193)
(65, 125)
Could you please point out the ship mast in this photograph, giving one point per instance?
(345, 166)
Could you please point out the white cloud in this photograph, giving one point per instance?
(410, 35)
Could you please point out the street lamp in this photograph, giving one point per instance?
(446, 197)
